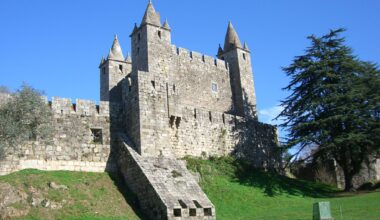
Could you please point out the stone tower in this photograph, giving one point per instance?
(112, 71)
(241, 76)
(149, 40)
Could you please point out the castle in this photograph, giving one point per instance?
(157, 106)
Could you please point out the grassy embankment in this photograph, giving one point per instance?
(240, 192)
(237, 191)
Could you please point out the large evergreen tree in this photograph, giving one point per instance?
(334, 104)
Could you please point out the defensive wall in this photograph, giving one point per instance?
(81, 140)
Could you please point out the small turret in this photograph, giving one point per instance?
(151, 16)
(128, 59)
(166, 25)
(232, 40)
(112, 71)
(246, 46)
(102, 61)
(148, 40)
(115, 51)
(239, 60)
(220, 50)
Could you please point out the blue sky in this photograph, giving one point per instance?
(56, 46)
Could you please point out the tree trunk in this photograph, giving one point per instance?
(348, 180)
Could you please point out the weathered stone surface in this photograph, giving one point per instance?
(165, 188)
(10, 195)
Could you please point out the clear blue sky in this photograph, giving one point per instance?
(56, 46)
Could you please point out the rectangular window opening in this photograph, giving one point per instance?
(177, 212)
(224, 119)
(210, 116)
(153, 84)
(97, 136)
(121, 68)
(193, 212)
(195, 113)
(207, 211)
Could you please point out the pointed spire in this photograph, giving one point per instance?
(151, 16)
(220, 50)
(245, 46)
(134, 28)
(166, 25)
(102, 61)
(232, 40)
(128, 59)
(115, 51)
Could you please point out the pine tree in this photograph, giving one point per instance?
(333, 105)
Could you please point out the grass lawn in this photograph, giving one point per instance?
(89, 195)
(240, 192)
(237, 191)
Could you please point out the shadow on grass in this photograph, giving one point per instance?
(271, 183)
(275, 184)
(128, 195)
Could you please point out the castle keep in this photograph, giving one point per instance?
(158, 105)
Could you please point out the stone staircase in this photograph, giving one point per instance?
(164, 187)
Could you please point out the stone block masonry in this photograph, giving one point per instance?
(163, 185)
(81, 141)
(165, 103)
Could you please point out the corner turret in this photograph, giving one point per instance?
(112, 71)
(241, 76)
(115, 52)
(149, 40)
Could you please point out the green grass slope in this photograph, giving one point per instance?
(240, 192)
(237, 191)
(89, 195)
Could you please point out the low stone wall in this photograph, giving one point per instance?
(7, 167)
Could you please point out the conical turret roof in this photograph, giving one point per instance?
(115, 51)
(220, 50)
(128, 59)
(102, 60)
(246, 46)
(151, 16)
(232, 40)
(166, 25)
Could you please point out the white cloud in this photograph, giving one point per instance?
(267, 115)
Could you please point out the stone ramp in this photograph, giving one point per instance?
(164, 186)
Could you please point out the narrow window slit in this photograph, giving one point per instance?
(183, 205)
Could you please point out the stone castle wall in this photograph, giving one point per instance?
(169, 127)
(72, 146)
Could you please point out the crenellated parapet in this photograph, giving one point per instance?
(65, 106)
(196, 58)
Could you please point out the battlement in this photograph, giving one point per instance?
(199, 58)
(83, 107)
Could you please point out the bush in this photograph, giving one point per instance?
(24, 117)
